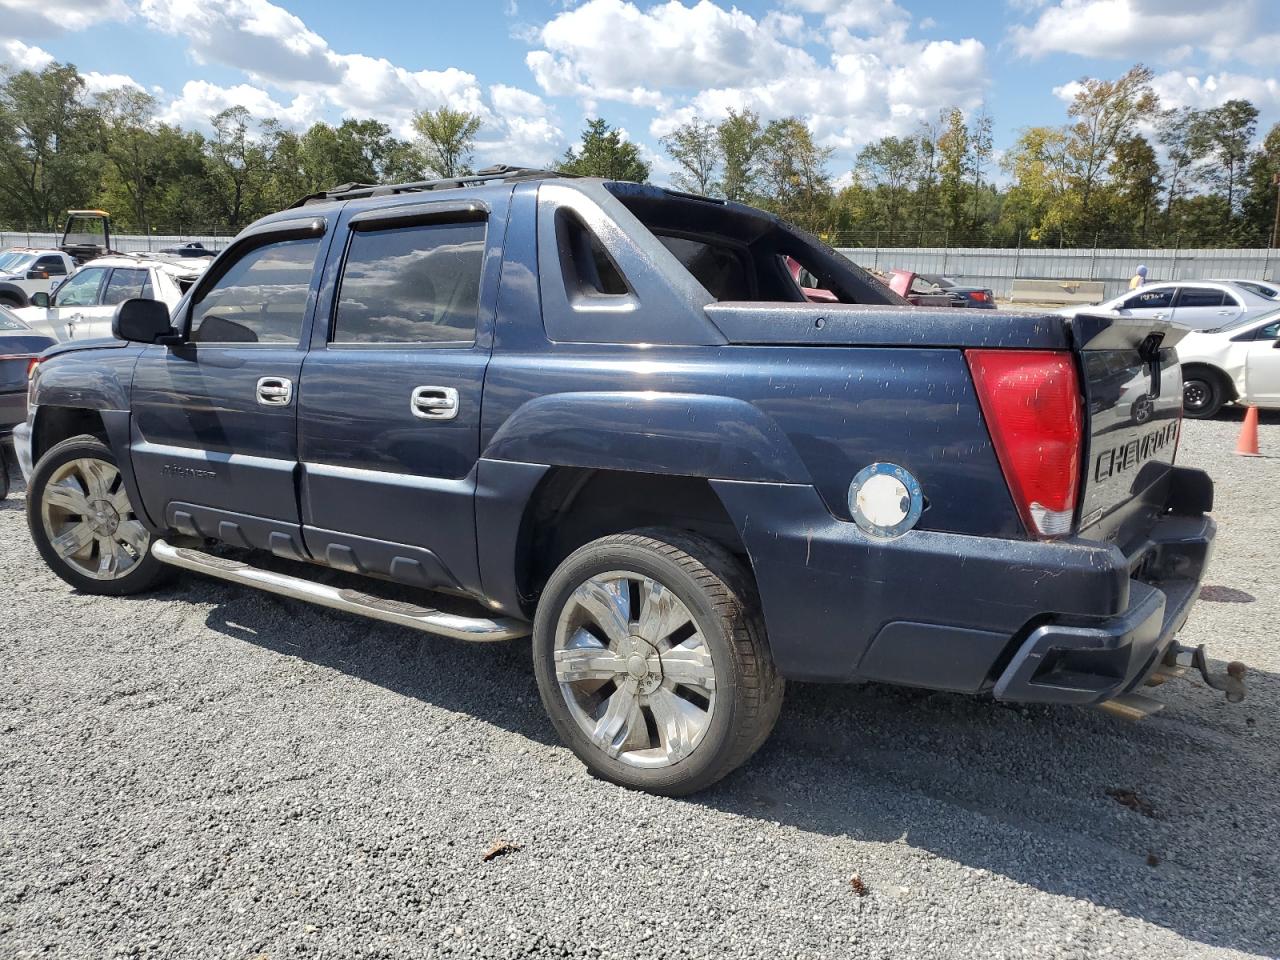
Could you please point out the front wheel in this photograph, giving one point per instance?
(651, 661)
(83, 524)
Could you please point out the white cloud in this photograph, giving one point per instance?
(1160, 30)
(613, 50)
(16, 55)
(1179, 89)
(95, 83)
(200, 100)
(36, 18)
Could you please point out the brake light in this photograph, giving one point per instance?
(31, 367)
(979, 295)
(1032, 404)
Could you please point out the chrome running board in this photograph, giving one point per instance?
(426, 619)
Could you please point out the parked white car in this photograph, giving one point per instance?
(25, 272)
(1198, 304)
(83, 306)
(1236, 364)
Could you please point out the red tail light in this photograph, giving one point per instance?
(31, 367)
(979, 295)
(1032, 404)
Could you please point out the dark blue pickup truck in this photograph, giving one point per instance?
(607, 415)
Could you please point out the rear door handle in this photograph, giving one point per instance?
(434, 403)
(275, 391)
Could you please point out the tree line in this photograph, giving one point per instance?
(1097, 179)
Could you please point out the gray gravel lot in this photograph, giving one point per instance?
(209, 772)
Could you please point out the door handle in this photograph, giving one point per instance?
(1225, 313)
(434, 403)
(1157, 316)
(275, 391)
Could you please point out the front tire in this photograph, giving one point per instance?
(84, 525)
(1202, 394)
(651, 661)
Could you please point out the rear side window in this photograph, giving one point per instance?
(262, 298)
(412, 284)
(1200, 297)
(1149, 300)
(721, 269)
(126, 285)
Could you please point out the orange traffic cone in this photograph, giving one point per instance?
(1247, 445)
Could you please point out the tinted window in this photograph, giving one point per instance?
(1149, 300)
(124, 285)
(586, 266)
(261, 299)
(1200, 297)
(51, 265)
(1270, 332)
(1261, 289)
(418, 284)
(81, 290)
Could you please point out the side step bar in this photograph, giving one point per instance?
(426, 619)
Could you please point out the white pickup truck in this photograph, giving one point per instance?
(26, 271)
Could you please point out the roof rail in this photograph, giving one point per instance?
(359, 191)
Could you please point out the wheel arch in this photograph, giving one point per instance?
(1230, 392)
(572, 506)
(12, 295)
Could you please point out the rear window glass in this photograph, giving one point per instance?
(8, 321)
(1200, 297)
(416, 284)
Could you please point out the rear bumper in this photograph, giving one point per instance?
(1072, 621)
(22, 447)
(1081, 660)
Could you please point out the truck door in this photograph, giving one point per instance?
(389, 409)
(214, 441)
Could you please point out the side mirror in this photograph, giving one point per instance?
(141, 321)
(37, 274)
(40, 299)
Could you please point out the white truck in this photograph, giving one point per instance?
(26, 271)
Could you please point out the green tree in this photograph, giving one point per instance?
(1182, 133)
(604, 153)
(1103, 113)
(794, 175)
(49, 158)
(1041, 197)
(888, 167)
(1229, 130)
(1135, 182)
(1260, 208)
(447, 138)
(695, 147)
(136, 166)
(955, 164)
(238, 169)
(741, 140)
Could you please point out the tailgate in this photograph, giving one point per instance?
(1133, 393)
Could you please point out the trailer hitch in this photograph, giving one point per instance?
(1177, 659)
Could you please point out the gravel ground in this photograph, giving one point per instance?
(209, 772)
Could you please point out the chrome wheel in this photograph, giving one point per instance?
(89, 521)
(634, 669)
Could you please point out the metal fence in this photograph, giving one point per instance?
(123, 243)
(997, 268)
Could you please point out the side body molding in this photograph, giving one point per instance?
(681, 434)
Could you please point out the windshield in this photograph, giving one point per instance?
(15, 262)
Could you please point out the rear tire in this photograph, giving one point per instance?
(84, 525)
(651, 661)
(1203, 394)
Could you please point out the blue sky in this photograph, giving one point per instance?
(534, 69)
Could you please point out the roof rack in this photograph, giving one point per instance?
(359, 191)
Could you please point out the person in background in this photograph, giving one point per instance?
(1139, 278)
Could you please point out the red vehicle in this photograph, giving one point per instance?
(934, 290)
